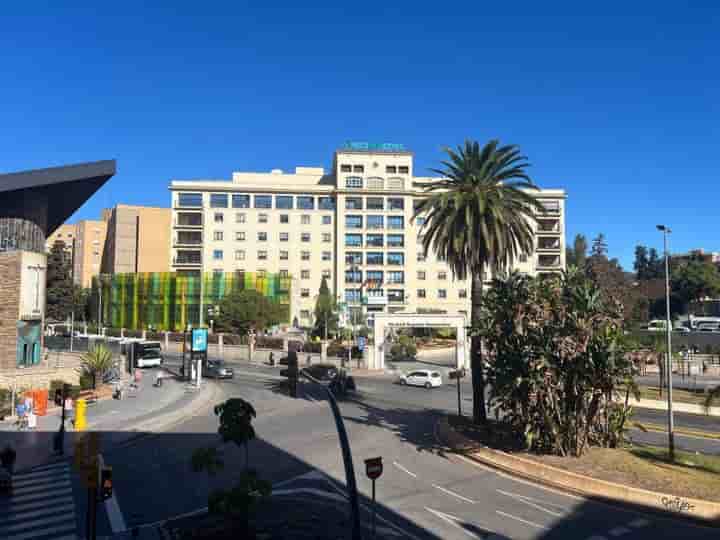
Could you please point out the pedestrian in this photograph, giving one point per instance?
(68, 408)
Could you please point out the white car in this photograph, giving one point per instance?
(422, 377)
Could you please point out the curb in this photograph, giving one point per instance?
(707, 512)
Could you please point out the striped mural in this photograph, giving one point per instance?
(168, 301)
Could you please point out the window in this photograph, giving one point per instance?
(305, 219)
(284, 255)
(284, 273)
(193, 200)
(421, 257)
(305, 237)
(218, 236)
(354, 240)
(395, 222)
(262, 218)
(263, 201)
(326, 203)
(284, 202)
(375, 182)
(305, 293)
(462, 293)
(345, 168)
(396, 295)
(375, 203)
(396, 204)
(218, 254)
(353, 222)
(353, 203)
(284, 218)
(374, 257)
(442, 293)
(218, 200)
(326, 237)
(353, 257)
(327, 220)
(375, 222)
(240, 218)
(326, 256)
(421, 293)
(352, 295)
(358, 168)
(396, 183)
(390, 169)
(374, 276)
(421, 275)
(306, 203)
(396, 259)
(326, 273)
(284, 237)
(305, 274)
(241, 201)
(403, 169)
(442, 276)
(353, 182)
(419, 221)
(262, 237)
(353, 276)
(396, 277)
(240, 236)
(374, 240)
(262, 255)
(240, 255)
(396, 240)
(219, 217)
(305, 314)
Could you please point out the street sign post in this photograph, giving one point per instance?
(458, 374)
(373, 470)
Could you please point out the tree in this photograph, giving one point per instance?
(641, 262)
(599, 246)
(326, 317)
(96, 362)
(247, 309)
(59, 285)
(656, 265)
(580, 250)
(479, 218)
(614, 284)
(559, 373)
(692, 281)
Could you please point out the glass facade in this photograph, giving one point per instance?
(374, 240)
(218, 200)
(263, 201)
(326, 203)
(396, 259)
(306, 203)
(354, 240)
(21, 234)
(375, 222)
(395, 222)
(190, 200)
(353, 222)
(396, 240)
(374, 257)
(284, 202)
(241, 201)
(353, 203)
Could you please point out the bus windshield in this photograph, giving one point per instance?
(149, 350)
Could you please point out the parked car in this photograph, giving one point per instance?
(216, 369)
(422, 377)
(325, 373)
(681, 329)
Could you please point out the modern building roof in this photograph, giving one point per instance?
(50, 196)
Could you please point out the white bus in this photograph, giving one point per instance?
(146, 353)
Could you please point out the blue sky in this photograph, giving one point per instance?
(615, 102)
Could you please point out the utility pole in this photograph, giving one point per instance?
(671, 428)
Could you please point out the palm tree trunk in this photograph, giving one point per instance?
(476, 361)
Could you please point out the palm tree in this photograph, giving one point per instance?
(236, 417)
(97, 361)
(479, 218)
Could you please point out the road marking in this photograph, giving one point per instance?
(403, 469)
(639, 522)
(619, 531)
(453, 494)
(311, 491)
(521, 520)
(529, 502)
(452, 520)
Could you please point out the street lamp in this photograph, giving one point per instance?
(671, 434)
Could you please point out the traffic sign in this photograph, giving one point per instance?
(361, 343)
(373, 468)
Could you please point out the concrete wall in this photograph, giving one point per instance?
(10, 263)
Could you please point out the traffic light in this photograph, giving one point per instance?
(106, 483)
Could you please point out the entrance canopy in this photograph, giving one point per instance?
(384, 322)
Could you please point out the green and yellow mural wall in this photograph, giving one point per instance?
(168, 301)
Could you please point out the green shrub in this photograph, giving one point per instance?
(86, 381)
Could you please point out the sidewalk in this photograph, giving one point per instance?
(153, 409)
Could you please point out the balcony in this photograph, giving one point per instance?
(549, 207)
(548, 244)
(548, 226)
(187, 258)
(188, 220)
(188, 238)
(548, 261)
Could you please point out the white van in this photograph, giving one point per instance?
(657, 325)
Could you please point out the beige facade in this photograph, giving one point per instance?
(353, 225)
(89, 247)
(138, 239)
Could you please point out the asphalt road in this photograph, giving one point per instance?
(423, 493)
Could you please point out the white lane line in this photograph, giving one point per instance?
(42, 532)
(452, 520)
(452, 493)
(639, 522)
(38, 504)
(403, 469)
(39, 523)
(619, 531)
(529, 502)
(37, 513)
(521, 520)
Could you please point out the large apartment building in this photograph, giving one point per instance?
(353, 226)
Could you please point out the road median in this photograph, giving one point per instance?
(707, 512)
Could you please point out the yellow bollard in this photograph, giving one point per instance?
(80, 418)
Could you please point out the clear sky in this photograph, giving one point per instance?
(618, 103)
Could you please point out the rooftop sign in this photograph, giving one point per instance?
(379, 147)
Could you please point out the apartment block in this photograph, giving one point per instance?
(89, 247)
(352, 225)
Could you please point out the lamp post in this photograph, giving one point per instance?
(671, 429)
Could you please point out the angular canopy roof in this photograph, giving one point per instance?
(50, 196)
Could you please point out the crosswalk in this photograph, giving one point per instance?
(41, 506)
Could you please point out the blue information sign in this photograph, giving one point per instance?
(199, 339)
(361, 343)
